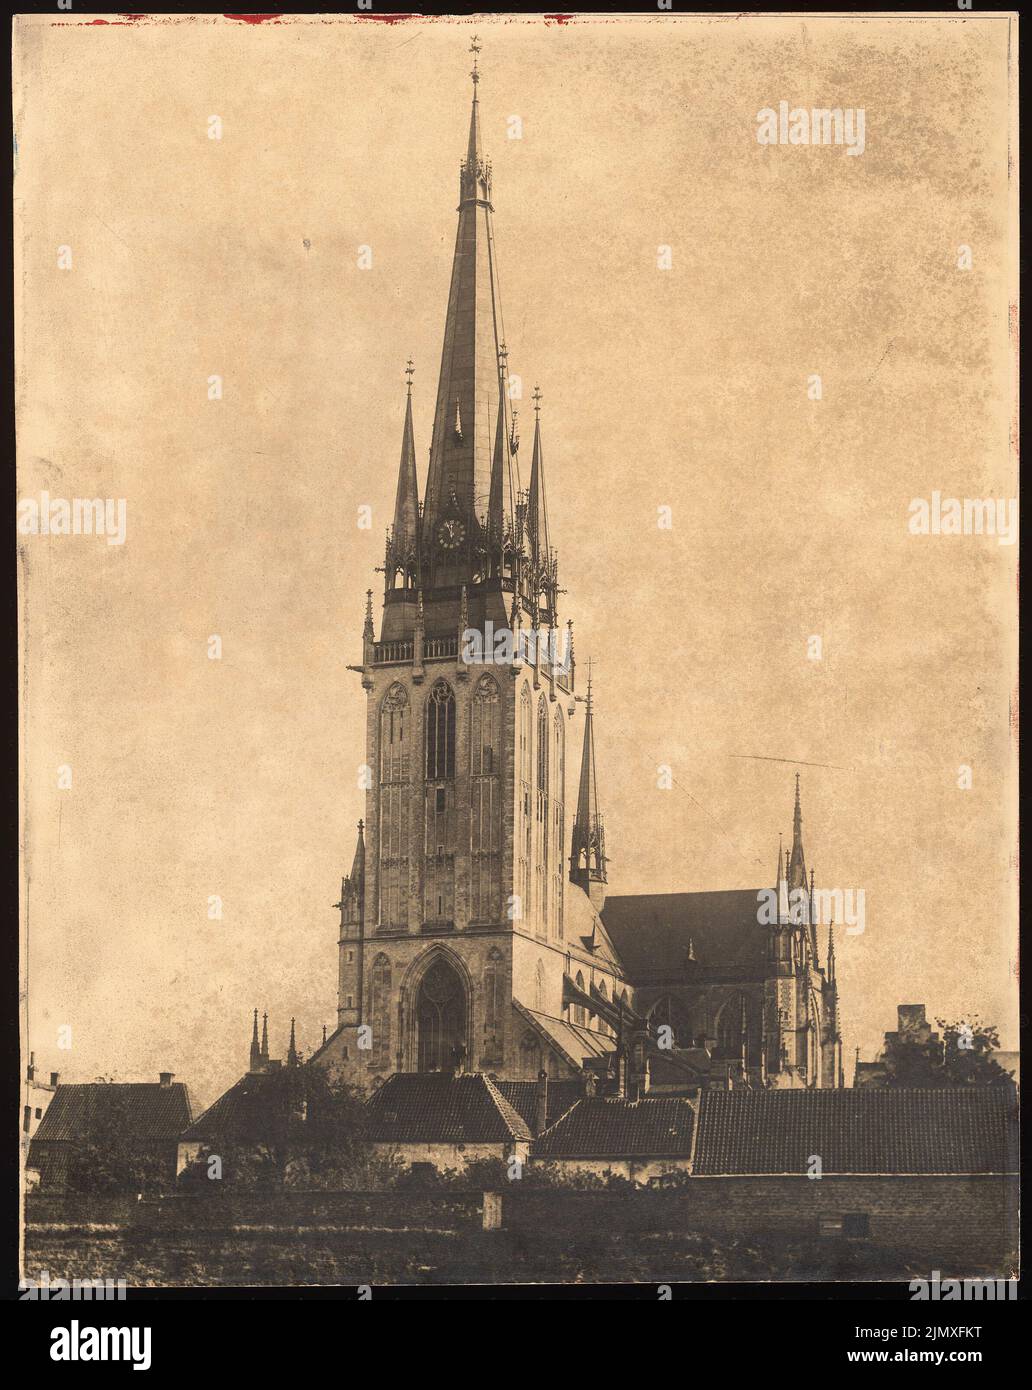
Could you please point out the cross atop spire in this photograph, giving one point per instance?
(537, 399)
(474, 48)
(409, 369)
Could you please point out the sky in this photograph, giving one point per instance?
(674, 286)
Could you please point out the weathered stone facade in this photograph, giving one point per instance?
(475, 928)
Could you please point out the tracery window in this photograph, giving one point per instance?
(439, 845)
(440, 733)
(729, 1027)
(541, 864)
(525, 819)
(558, 838)
(486, 801)
(578, 1009)
(380, 1011)
(395, 794)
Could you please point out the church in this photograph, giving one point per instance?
(477, 930)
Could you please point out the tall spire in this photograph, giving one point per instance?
(402, 568)
(537, 518)
(256, 1055)
(292, 1048)
(797, 861)
(265, 1037)
(782, 886)
(588, 840)
(459, 483)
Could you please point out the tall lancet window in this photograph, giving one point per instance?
(730, 1031)
(541, 813)
(558, 827)
(380, 1011)
(395, 792)
(439, 856)
(486, 801)
(525, 815)
(578, 1009)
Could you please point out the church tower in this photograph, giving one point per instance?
(801, 1040)
(468, 691)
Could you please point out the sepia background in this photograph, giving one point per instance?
(684, 388)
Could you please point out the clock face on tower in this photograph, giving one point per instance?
(450, 534)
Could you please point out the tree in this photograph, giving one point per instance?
(961, 1056)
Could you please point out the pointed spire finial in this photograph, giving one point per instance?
(410, 368)
(588, 859)
(537, 399)
(797, 859)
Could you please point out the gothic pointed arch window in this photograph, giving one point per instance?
(494, 987)
(380, 1011)
(440, 817)
(441, 1013)
(603, 1026)
(530, 1056)
(486, 802)
(395, 748)
(525, 816)
(541, 814)
(730, 1027)
(440, 733)
(558, 828)
(578, 1009)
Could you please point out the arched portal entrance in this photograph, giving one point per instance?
(441, 1019)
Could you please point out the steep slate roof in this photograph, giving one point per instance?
(611, 1128)
(247, 1108)
(433, 1108)
(572, 1041)
(153, 1111)
(522, 1096)
(651, 931)
(858, 1131)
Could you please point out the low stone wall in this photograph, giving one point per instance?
(967, 1219)
(764, 1228)
(254, 1210)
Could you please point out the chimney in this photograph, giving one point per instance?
(165, 1077)
(53, 1077)
(541, 1110)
